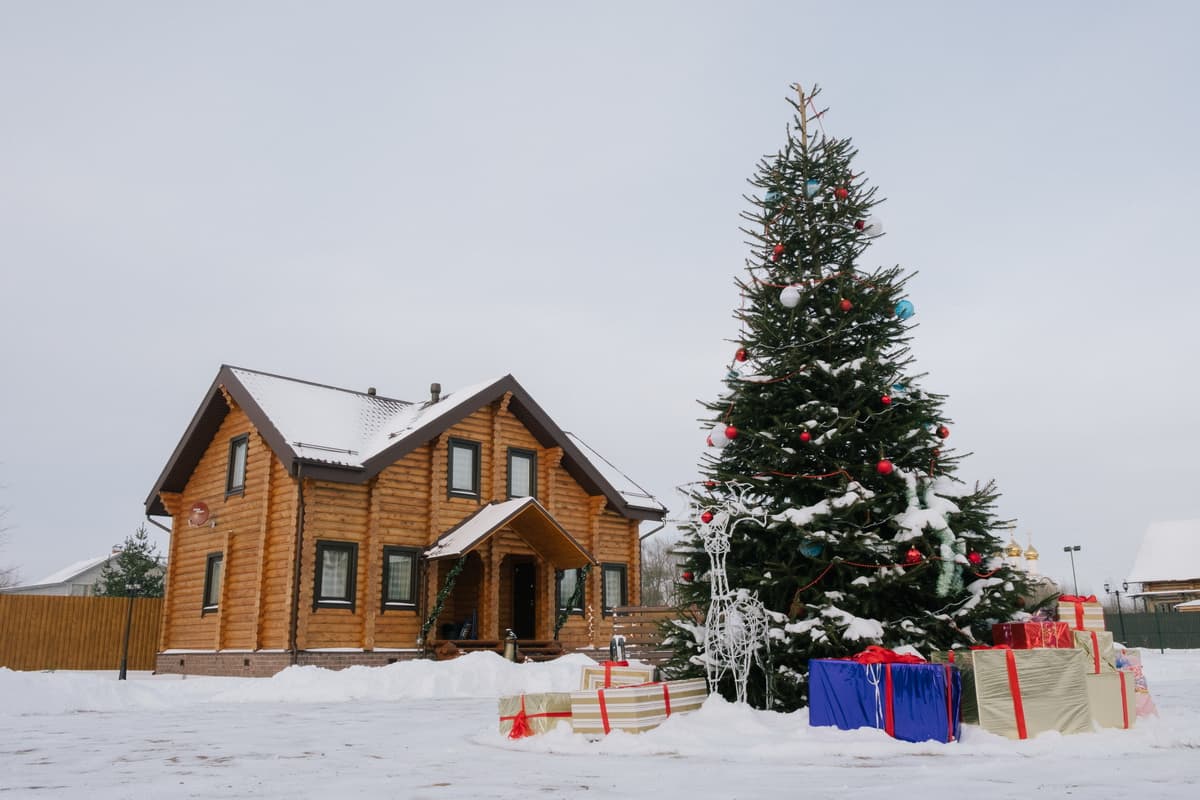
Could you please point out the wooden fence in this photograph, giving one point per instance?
(42, 632)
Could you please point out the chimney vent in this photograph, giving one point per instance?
(371, 391)
(435, 392)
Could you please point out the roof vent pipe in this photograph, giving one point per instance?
(435, 392)
(371, 391)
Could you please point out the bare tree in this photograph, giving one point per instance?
(658, 573)
(8, 575)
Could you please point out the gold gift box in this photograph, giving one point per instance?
(593, 677)
(1113, 699)
(543, 710)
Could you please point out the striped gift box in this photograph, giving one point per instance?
(634, 708)
(620, 673)
(1081, 613)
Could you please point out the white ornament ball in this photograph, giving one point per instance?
(717, 437)
(790, 296)
(874, 227)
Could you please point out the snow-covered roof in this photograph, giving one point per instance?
(1188, 605)
(65, 574)
(1170, 551)
(528, 519)
(344, 435)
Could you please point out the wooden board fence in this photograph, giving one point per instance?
(43, 632)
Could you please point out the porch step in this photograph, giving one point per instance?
(528, 649)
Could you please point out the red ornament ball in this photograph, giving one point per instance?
(841, 193)
(687, 576)
(886, 400)
(860, 224)
(846, 305)
(710, 484)
(912, 556)
(943, 431)
(975, 558)
(740, 355)
(805, 437)
(884, 467)
(731, 433)
(777, 252)
(706, 517)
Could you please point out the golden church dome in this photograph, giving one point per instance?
(1013, 550)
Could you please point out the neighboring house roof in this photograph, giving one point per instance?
(66, 574)
(1170, 551)
(525, 517)
(1189, 604)
(349, 437)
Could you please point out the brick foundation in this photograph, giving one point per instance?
(264, 665)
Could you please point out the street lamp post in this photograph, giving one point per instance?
(1071, 550)
(1120, 612)
(130, 590)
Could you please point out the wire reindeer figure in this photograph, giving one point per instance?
(736, 628)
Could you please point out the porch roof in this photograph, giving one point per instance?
(525, 517)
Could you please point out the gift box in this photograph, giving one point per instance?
(915, 702)
(1098, 646)
(526, 714)
(1081, 613)
(1111, 696)
(1027, 635)
(1130, 661)
(634, 708)
(609, 674)
(1021, 693)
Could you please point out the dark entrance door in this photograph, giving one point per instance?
(524, 615)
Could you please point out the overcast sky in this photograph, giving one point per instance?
(389, 194)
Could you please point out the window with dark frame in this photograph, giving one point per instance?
(235, 476)
(212, 581)
(463, 468)
(614, 587)
(522, 473)
(337, 567)
(568, 579)
(400, 577)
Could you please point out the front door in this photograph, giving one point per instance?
(524, 603)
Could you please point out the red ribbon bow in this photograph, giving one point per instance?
(1074, 598)
(874, 654)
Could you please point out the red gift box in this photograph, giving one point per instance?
(1028, 635)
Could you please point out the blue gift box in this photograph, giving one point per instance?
(913, 702)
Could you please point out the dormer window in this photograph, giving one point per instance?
(463, 468)
(235, 477)
(522, 473)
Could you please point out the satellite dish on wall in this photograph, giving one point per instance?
(199, 514)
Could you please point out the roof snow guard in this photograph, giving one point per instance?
(525, 517)
(345, 436)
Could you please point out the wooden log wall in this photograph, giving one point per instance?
(44, 632)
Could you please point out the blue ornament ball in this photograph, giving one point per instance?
(905, 309)
(772, 196)
(811, 549)
(811, 187)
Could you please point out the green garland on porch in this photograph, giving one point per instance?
(575, 600)
(442, 595)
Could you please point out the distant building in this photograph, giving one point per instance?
(77, 580)
(1167, 567)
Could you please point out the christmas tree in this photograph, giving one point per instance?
(827, 461)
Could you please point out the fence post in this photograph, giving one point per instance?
(1158, 628)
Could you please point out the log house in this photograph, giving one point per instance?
(318, 525)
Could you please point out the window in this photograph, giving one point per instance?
(337, 563)
(400, 577)
(568, 580)
(614, 587)
(463, 468)
(235, 478)
(212, 581)
(522, 473)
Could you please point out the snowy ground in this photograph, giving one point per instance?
(429, 730)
